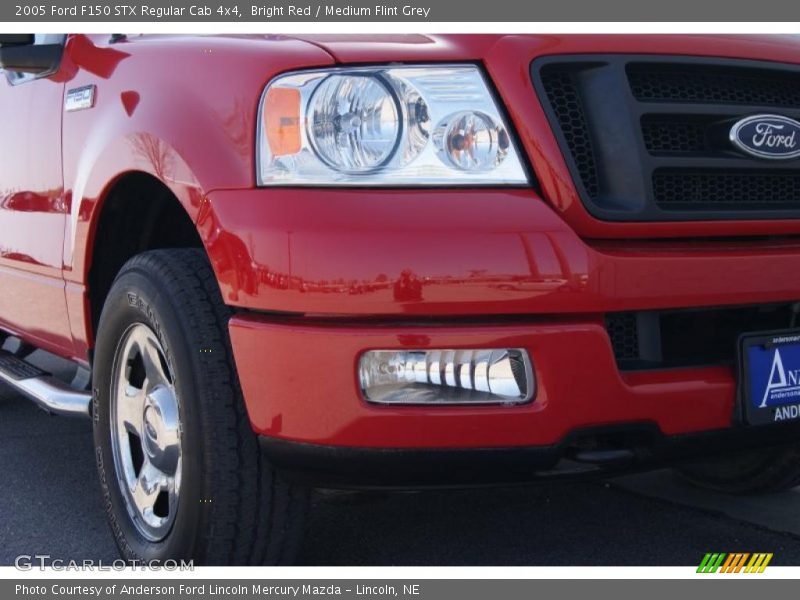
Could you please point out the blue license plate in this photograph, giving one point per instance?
(770, 386)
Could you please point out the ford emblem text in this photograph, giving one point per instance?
(767, 136)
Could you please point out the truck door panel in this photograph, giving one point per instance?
(32, 211)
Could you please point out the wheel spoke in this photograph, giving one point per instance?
(130, 404)
(145, 492)
(152, 363)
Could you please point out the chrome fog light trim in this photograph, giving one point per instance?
(441, 377)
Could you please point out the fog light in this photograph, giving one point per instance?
(500, 376)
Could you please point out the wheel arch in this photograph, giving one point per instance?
(163, 215)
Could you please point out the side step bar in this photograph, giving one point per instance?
(50, 393)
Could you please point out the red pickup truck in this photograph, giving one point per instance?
(269, 263)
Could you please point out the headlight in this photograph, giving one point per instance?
(434, 125)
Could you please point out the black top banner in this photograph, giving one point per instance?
(445, 11)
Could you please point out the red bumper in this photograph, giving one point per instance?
(329, 274)
(300, 384)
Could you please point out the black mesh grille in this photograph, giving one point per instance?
(669, 135)
(690, 337)
(723, 188)
(624, 335)
(719, 85)
(568, 108)
(649, 136)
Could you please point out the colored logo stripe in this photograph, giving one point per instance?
(734, 562)
(711, 563)
(758, 563)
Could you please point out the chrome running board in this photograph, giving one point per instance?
(50, 393)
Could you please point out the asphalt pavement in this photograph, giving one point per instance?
(50, 504)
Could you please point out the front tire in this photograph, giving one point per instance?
(180, 467)
(756, 471)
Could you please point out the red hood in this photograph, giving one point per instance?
(411, 47)
(368, 48)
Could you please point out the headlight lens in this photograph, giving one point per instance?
(384, 126)
(353, 122)
(472, 141)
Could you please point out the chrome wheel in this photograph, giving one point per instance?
(146, 432)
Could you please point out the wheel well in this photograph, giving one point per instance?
(140, 213)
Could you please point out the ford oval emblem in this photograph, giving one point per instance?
(767, 136)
